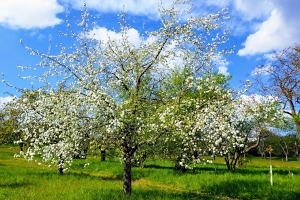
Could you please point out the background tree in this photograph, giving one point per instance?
(283, 81)
(252, 116)
(283, 145)
(9, 123)
(286, 144)
(58, 129)
(199, 116)
(263, 144)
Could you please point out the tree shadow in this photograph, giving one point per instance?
(153, 166)
(14, 184)
(221, 169)
(153, 194)
(258, 171)
(113, 177)
(252, 189)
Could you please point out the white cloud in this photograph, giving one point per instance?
(254, 9)
(254, 99)
(269, 56)
(223, 70)
(147, 8)
(30, 13)
(265, 70)
(134, 37)
(222, 65)
(4, 100)
(103, 34)
(270, 36)
(279, 30)
(270, 24)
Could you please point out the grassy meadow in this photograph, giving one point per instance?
(20, 179)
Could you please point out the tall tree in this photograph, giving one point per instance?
(283, 81)
(116, 87)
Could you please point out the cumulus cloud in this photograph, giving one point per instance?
(222, 65)
(279, 30)
(269, 56)
(4, 100)
(223, 70)
(254, 9)
(272, 35)
(254, 99)
(141, 7)
(270, 25)
(134, 37)
(264, 70)
(103, 34)
(30, 14)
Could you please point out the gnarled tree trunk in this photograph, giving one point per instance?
(128, 152)
(102, 155)
(127, 175)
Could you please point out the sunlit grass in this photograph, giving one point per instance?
(21, 179)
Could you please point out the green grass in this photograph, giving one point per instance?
(20, 179)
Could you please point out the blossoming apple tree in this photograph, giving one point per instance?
(120, 90)
(251, 117)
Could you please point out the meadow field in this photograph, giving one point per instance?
(20, 179)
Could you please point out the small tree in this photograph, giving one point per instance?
(287, 143)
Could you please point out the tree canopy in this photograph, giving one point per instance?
(136, 95)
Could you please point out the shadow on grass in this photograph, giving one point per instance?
(252, 189)
(247, 170)
(13, 184)
(82, 175)
(198, 169)
(141, 194)
(157, 166)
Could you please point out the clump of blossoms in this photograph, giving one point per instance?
(249, 116)
(206, 117)
(198, 117)
(57, 124)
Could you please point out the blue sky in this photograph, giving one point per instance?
(258, 28)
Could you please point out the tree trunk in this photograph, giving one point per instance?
(21, 144)
(61, 165)
(127, 174)
(103, 154)
(236, 158)
(285, 150)
(85, 151)
(232, 160)
(297, 122)
(227, 163)
(60, 170)
(296, 149)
